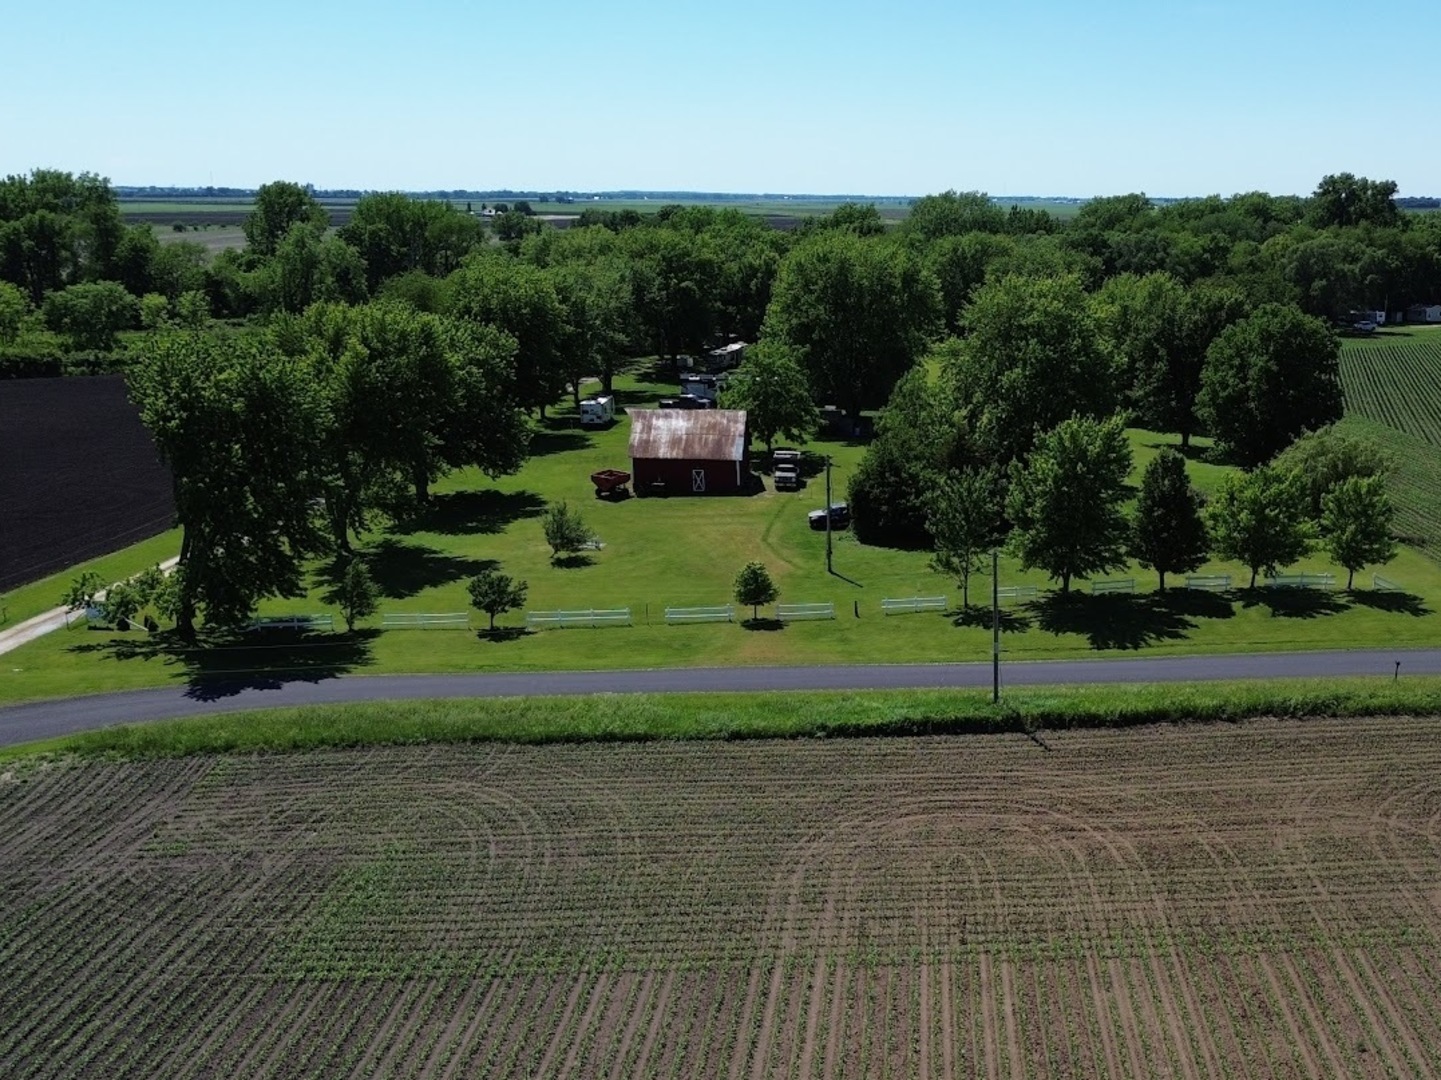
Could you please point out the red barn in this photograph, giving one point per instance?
(689, 451)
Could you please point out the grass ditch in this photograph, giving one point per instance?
(780, 715)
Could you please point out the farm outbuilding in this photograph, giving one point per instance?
(689, 452)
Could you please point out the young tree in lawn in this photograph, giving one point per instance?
(1258, 519)
(355, 593)
(495, 593)
(1267, 379)
(1356, 524)
(964, 519)
(81, 594)
(565, 531)
(773, 390)
(123, 601)
(754, 587)
(239, 426)
(1065, 501)
(1168, 534)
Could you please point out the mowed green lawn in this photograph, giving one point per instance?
(685, 551)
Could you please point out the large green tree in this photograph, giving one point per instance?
(1065, 500)
(954, 213)
(1033, 356)
(1168, 534)
(57, 229)
(1319, 460)
(772, 389)
(1143, 318)
(675, 281)
(1267, 379)
(597, 303)
(14, 310)
(857, 311)
(279, 207)
(90, 315)
(396, 233)
(1343, 199)
(520, 300)
(239, 426)
(307, 269)
(1258, 519)
(916, 444)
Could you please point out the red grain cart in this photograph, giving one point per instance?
(611, 484)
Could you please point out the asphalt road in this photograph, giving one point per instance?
(48, 719)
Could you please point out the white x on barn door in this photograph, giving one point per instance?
(697, 479)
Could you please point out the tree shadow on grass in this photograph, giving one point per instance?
(762, 624)
(574, 561)
(503, 634)
(222, 665)
(401, 569)
(1294, 603)
(1120, 621)
(1399, 602)
(1012, 622)
(462, 513)
(545, 443)
(1190, 453)
(626, 398)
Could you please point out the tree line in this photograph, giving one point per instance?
(369, 359)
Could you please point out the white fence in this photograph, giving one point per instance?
(912, 605)
(558, 620)
(1381, 584)
(293, 622)
(1016, 592)
(1302, 581)
(675, 615)
(1120, 585)
(407, 620)
(1209, 582)
(791, 612)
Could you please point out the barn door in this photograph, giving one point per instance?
(697, 480)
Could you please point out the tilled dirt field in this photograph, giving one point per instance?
(1204, 902)
(79, 475)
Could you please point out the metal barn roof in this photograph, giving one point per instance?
(688, 434)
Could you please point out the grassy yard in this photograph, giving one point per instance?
(21, 603)
(685, 552)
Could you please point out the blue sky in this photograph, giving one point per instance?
(1037, 98)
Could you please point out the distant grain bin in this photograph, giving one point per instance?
(689, 452)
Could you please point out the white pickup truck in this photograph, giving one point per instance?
(786, 469)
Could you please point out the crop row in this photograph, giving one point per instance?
(1198, 902)
(1396, 385)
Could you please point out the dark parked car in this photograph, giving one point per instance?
(840, 517)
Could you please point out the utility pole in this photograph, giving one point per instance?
(828, 515)
(995, 628)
